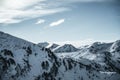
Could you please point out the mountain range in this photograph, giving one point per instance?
(24, 60)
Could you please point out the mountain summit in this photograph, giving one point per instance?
(65, 48)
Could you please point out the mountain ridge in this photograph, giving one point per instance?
(23, 60)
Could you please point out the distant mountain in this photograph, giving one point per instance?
(57, 48)
(43, 44)
(65, 48)
(23, 60)
(53, 46)
(106, 55)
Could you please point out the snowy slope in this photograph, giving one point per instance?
(23, 60)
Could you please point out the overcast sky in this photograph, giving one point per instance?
(61, 20)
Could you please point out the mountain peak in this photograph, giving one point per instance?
(65, 48)
(53, 46)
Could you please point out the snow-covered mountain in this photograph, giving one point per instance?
(65, 48)
(59, 48)
(23, 60)
(53, 46)
(106, 55)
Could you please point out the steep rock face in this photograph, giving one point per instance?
(23, 60)
(65, 48)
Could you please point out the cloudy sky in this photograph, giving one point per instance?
(61, 20)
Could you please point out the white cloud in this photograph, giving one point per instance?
(22, 15)
(15, 11)
(19, 4)
(40, 21)
(56, 23)
(9, 21)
